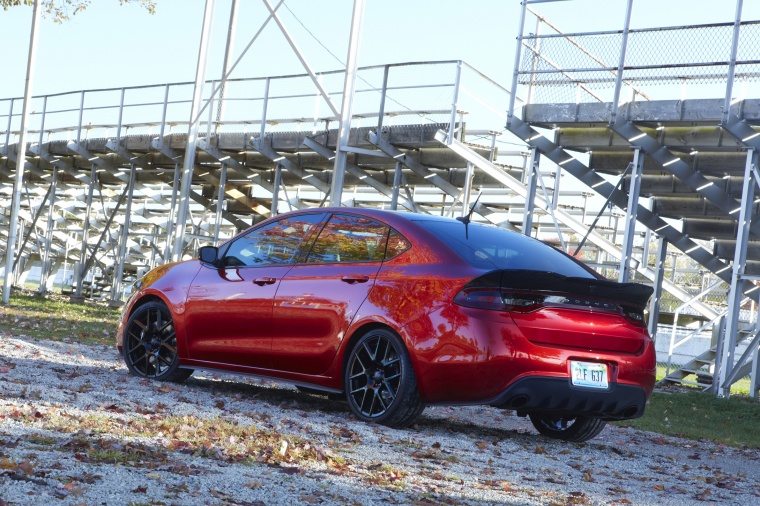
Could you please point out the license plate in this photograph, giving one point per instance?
(589, 374)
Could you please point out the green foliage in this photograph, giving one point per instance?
(702, 416)
(55, 318)
(61, 10)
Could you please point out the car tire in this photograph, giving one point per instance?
(150, 344)
(379, 380)
(567, 428)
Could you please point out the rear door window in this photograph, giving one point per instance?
(348, 238)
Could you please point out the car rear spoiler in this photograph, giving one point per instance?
(635, 294)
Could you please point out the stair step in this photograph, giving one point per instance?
(688, 382)
(693, 371)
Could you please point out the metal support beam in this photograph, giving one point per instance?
(46, 260)
(81, 273)
(397, 173)
(624, 274)
(192, 135)
(349, 87)
(659, 276)
(557, 183)
(276, 190)
(530, 197)
(124, 237)
(20, 155)
(220, 203)
(172, 214)
(467, 190)
(621, 63)
(226, 67)
(732, 62)
(729, 338)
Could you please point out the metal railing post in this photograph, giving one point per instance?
(42, 122)
(516, 70)
(621, 64)
(162, 129)
(383, 93)
(454, 103)
(732, 61)
(8, 128)
(264, 107)
(81, 117)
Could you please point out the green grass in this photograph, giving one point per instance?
(702, 416)
(54, 317)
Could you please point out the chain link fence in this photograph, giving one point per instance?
(583, 67)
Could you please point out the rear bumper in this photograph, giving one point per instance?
(558, 396)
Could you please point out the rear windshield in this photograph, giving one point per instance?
(490, 247)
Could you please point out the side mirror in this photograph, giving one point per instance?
(208, 254)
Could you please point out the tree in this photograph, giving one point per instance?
(61, 10)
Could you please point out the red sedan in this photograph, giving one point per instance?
(397, 311)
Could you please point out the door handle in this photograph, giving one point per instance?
(264, 281)
(354, 279)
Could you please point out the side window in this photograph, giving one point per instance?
(349, 239)
(396, 245)
(274, 244)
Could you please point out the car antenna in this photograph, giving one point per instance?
(466, 219)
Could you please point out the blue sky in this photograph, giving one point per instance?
(112, 46)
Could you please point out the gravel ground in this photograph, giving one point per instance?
(76, 428)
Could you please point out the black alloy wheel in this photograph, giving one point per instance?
(150, 344)
(379, 380)
(575, 429)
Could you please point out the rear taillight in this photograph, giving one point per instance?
(635, 317)
(519, 302)
(485, 298)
